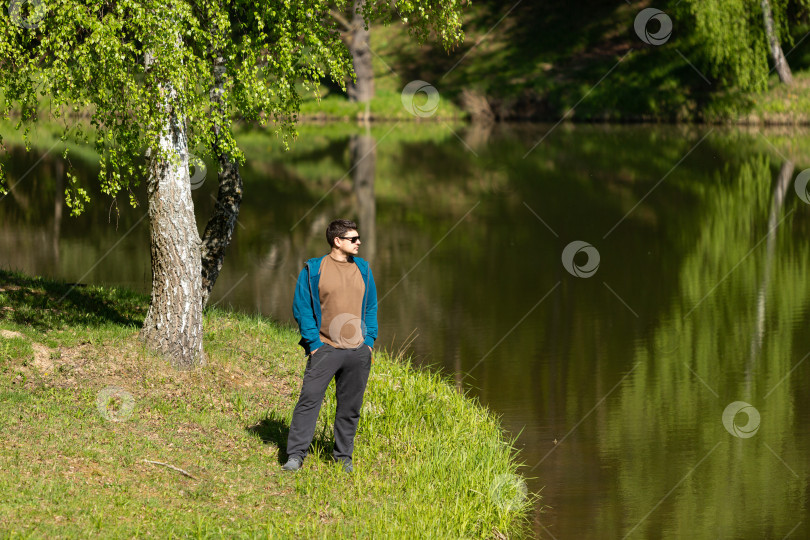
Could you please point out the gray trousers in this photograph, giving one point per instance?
(350, 368)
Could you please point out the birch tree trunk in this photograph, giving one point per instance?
(358, 43)
(219, 230)
(782, 67)
(173, 324)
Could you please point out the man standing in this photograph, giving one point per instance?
(335, 306)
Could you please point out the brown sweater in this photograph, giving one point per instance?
(341, 290)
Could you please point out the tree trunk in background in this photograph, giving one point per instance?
(219, 230)
(782, 67)
(363, 150)
(58, 204)
(174, 323)
(358, 43)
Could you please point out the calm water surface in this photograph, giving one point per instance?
(613, 381)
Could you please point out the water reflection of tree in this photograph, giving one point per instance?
(274, 276)
(36, 191)
(669, 414)
(777, 202)
(58, 205)
(20, 167)
(38, 238)
(363, 148)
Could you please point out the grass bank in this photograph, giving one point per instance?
(583, 61)
(84, 405)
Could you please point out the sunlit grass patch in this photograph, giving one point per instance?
(100, 435)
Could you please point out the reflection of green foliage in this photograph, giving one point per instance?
(472, 290)
(315, 137)
(320, 157)
(385, 104)
(711, 336)
(45, 136)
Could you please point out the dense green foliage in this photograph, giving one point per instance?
(541, 60)
(731, 36)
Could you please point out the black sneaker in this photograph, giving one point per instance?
(347, 465)
(293, 464)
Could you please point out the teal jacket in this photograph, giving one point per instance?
(307, 304)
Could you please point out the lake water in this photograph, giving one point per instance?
(632, 300)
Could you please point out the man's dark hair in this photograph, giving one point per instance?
(339, 227)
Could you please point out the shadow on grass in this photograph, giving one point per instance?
(45, 305)
(274, 429)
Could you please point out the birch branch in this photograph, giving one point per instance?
(171, 467)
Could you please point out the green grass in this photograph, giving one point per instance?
(543, 61)
(386, 105)
(790, 103)
(428, 460)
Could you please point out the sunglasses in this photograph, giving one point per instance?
(352, 239)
